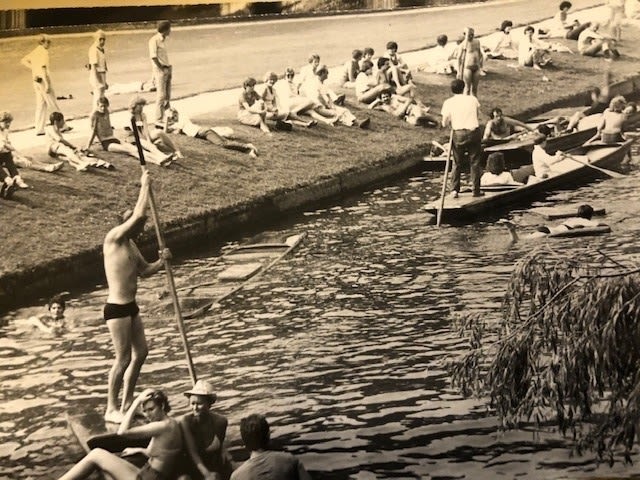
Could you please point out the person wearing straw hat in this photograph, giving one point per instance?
(204, 432)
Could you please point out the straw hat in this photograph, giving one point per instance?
(203, 388)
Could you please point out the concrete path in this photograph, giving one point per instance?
(286, 41)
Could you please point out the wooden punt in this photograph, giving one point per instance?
(468, 208)
(235, 270)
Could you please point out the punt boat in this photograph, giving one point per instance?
(231, 272)
(468, 208)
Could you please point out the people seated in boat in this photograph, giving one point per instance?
(366, 85)
(441, 59)
(592, 43)
(532, 52)
(410, 110)
(500, 128)
(204, 433)
(562, 27)
(583, 219)
(546, 165)
(265, 463)
(181, 124)
(502, 46)
(611, 124)
(496, 172)
(163, 451)
(351, 69)
(53, 320)
(147, 141)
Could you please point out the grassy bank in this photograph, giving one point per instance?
(68, 213)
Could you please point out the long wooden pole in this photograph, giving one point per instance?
(611, 173)
(167, 263)
(444, 181)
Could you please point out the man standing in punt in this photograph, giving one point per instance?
(123, 263)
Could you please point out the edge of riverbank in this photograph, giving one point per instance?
(19, 287)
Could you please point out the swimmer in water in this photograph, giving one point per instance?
(52, 321)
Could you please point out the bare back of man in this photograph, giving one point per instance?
(123, 263)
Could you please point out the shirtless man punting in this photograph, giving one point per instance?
(123, 263)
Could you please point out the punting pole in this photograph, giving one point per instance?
(167, 263)
(611, 173)
(447, 164)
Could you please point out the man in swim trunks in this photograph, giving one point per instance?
(123, 262)
(470, 62)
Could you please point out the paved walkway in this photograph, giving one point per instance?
(204, 103)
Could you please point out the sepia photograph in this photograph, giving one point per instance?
(320, 239)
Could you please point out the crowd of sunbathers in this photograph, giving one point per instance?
(301, 99)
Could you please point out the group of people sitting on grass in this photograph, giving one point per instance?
(190, 447)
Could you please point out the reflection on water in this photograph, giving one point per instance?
(342, 346)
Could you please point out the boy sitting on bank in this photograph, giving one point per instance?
(62, 148)
(102, 129)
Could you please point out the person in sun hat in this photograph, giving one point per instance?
(204, 432)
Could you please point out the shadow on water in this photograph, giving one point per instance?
(342, 345)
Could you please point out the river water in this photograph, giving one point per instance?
(342, 345)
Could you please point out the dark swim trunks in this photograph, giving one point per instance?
(148, 473)
(114, 310)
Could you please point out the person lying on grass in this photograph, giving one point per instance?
(163, 451)
(53, 320)
(314, 89)
(101, 128)
(410, 110)
(593, 44)
(150, 137)
(59, 147)
(581, 220)
(9, 175)
(182, 124)
(272, 104)
(291, 100)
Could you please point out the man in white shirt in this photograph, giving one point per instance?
(460, 112)
(38, 62)
(98, 67)
(162, 70)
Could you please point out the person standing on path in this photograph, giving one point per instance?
(38, 62)
(470, 62)
(123, 263)
(460, 112)
(98, 68)
(162, 70)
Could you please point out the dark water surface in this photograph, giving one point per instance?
(342, 346)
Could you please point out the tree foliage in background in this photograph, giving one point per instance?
(566, 350)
